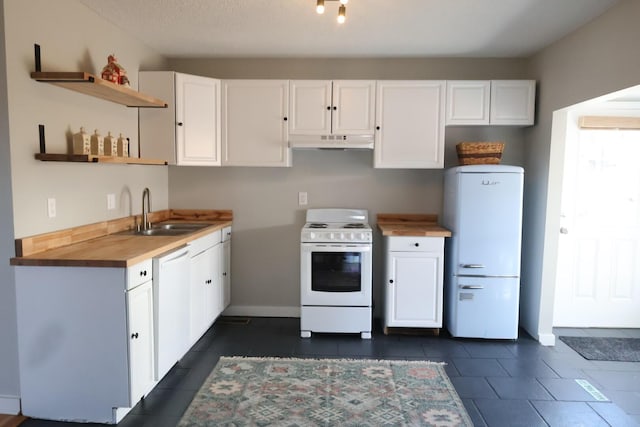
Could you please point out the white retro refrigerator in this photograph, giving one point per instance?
(483, 210)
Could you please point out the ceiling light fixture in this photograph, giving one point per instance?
(342, 10)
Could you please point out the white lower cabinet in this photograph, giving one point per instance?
(225, 263)
(86, 334)
(141, 344)
(413, 282)
(85, 341)
(205, 288)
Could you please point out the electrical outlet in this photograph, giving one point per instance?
(51, 207)
(302, 198)
(111, 201)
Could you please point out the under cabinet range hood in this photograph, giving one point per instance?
(331, 142)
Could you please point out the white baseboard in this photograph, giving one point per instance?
(9, 405)
(262, 311)
(547, 339)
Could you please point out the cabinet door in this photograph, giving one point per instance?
(468, 102)
(353, 107)
(226, 274)
(198, 292)
(414, 289)
(205, 291)
(197, 120)
(409, 124)
(311, 107)
(214, 289)
(255, 117)
(141, 356)
(512, 102)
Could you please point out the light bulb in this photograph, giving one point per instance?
(320, 6)
(342, 12)
(344, 1)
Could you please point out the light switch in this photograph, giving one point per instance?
(302, 198)
(51, 207)
(111, 201)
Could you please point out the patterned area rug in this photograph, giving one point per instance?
(327, 392)
(611, 349)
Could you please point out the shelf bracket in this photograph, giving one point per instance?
(36, 53)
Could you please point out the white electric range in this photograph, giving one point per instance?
(335, 272)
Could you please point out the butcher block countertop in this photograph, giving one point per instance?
(414, 225)
(101, 245)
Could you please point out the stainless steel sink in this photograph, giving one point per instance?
(168, 229)
(179, 226)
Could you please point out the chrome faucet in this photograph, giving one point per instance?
(145, 213)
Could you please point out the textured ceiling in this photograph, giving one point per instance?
(374, 28)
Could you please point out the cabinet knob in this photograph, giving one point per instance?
(224, 274)
(328, 108)
(377, 127)
(390, 280)
(134, 336)
(285, 119)
(416, 244)
(180, 123)
(143, 273)
(335, 108)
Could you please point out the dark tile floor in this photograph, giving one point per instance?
(502, 383)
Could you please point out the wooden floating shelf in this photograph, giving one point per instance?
(86, 158)
(89, 84)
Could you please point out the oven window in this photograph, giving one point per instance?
(336, 271)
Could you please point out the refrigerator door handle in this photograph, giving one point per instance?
(471, 287)
(472, 265)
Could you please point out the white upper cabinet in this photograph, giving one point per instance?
(491, 102)
(468, 102)
(187, 132)
(512, 102)
(322, 107)
(255, 123)
(410, 124)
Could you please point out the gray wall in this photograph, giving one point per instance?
(267, 219)
(73, 38)
(599, 58)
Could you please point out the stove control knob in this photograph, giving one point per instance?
(312, 235)
(341, 236)
(352, 236)
(363, 236)
(331, 236)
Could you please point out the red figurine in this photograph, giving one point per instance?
(114, 73)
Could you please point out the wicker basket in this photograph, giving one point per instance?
(479, 153)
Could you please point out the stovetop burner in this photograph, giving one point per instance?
(355, 225)
(318, 225)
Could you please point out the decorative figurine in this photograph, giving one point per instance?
(110, 145)
(97, 144)
(123, 146)
(114, 73)
(81, 142)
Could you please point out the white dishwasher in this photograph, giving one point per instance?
(171, 308)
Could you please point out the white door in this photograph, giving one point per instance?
(409, 124)
(598, 281)
(310, 102)
(255, 117)
(353, 107)
(197, 120)
(141, 357)
(414, 290)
